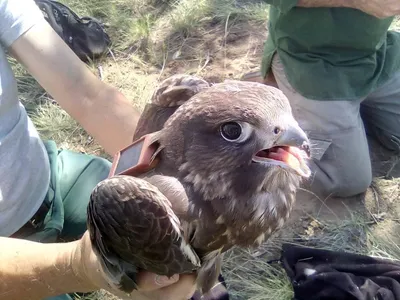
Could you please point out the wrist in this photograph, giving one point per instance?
(43, 270)
(76, 258)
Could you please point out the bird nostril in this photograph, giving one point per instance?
(277, 130)
(306, 148)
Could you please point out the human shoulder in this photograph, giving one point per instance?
(16, 17)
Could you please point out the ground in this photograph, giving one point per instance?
(153, 39)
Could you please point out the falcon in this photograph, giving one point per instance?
(212, 166)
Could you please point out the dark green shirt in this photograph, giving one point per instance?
(331, 53)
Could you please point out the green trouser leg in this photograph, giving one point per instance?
(79, 174)
(73, 177)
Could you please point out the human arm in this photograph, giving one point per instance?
(100, 108)
(30, 270)
(377, 8)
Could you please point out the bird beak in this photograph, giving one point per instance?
(290, 150)
(294, 136)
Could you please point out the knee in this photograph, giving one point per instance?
(99, 168)
(338, 181)
(349, 188)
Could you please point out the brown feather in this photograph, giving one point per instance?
(158, 116)
(141, 231)
(169, 95)
(220, 196)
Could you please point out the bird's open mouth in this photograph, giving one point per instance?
(284, 156)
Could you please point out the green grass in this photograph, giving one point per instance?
(216, 39)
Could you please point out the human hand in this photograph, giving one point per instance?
(378, 8)
(87, 266)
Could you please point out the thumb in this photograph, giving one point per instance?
(149, 281)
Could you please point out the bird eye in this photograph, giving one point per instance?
(235, 132)
(277, 130)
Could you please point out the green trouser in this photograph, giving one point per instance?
(73, 177)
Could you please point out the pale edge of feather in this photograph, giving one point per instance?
(184, 246)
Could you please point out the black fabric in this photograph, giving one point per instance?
(339, 275)
(86, 36)
(35, 222)
(218, 292)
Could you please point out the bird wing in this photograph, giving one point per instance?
(208, 273)
(132, 227)
(169, 95)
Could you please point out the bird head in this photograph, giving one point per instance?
(234, 137)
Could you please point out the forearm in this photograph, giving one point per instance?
(101, 110)
(376, 8)
(30, 270)
(324, 3)
(373, 7)
(109, 117)
(285, 5)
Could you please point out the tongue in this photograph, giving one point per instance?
(285, 156)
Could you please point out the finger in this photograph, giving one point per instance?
(149, 281)
(181, 290)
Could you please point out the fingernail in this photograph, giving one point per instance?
(165, 280)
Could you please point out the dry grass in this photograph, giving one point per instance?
(151, 39)
(216, 39)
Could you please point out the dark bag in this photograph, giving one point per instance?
(85, 36)
(318, 274)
